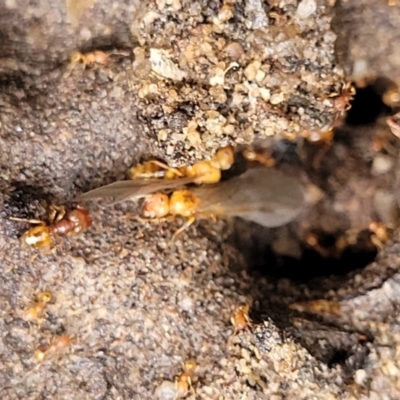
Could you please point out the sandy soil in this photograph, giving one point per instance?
(182, 79)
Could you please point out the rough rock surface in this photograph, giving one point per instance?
(136, 305)
(367, 38)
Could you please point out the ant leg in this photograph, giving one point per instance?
(262, 157)
(142, 220)
(191, 388)
(177, 394)
(56, 213)
(316, 162)
(183, 227)
(213, 218)
(154, 169)
(167, 168)
(35, 368)
(29, 221)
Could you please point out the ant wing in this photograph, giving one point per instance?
(262, 195)
(133, 189)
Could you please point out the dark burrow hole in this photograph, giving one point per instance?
(258, 250)
(23, 201)
(371, 102)
(256, 243)
(267, 255)
(279, 281)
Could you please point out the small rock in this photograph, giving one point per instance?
(166, 391)
(306, 8)
(381, 164)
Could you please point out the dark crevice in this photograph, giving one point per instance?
(346, 151)
(258, 249)
(293, 268)
(368, 103)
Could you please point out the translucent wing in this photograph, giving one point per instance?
(262, 195)
(133, 189)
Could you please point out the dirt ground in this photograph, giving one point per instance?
(183, 78)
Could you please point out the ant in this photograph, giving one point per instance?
(201, 171)
(241, 319)
(342, 101)
(184, 382)
(61, 224)
(37, 308)
(263, 195)
(57, 346)
(262, 157)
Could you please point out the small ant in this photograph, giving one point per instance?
(87, 59)
(184, 382)
(261, 157)
(58, 346)
(320, 307)
(241, 319)
(342, 101)
(97, 57)
(37, 308)
(380, 233)
(90, 59)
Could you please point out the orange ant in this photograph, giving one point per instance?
(241, 319)
(61, 224)
(320, 307)
(184, 382)
(380, 234)
(201, 171)
(324, 136)
(342, 101)
(262, 157)
(36, 310)
(97, 57)
(58, 346)
(93, 58)
(88, 59)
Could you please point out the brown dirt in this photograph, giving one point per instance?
(138, 306)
